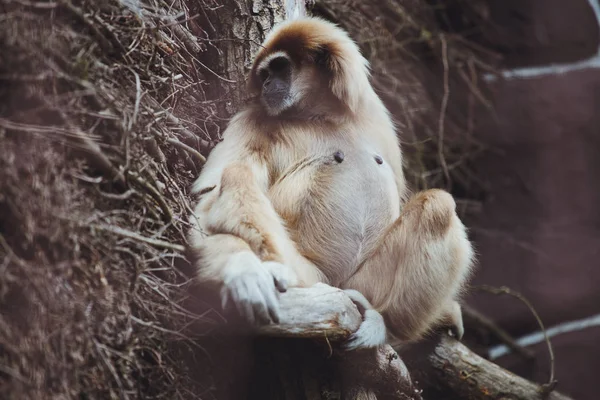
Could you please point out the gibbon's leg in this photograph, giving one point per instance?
(419, 268)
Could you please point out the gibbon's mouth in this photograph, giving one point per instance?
(277, 101)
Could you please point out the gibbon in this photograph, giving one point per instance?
(307, 186)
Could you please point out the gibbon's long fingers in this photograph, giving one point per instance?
(283, 275)
(372, 331)
(255, 300)
(250, 286)
(270, 294)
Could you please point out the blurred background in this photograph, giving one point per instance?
(107, 110)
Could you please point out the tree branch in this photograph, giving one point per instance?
(326, 313)
(470, 376)
(318, 312)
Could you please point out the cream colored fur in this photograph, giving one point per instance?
(283, 207)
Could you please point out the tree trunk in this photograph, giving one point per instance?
(238, 28)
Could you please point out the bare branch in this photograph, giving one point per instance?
(199, 157)
(325, 312)
(470, 376)
(498, 332)
(505, 290)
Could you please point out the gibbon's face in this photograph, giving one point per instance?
(284, 83)
(275, 74)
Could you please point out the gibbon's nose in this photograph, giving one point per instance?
(275, 85)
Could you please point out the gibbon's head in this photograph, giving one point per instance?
(306, 64)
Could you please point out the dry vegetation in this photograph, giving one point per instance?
(94, 175)
(104, 121)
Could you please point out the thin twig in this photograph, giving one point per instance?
(201, 159)
(85, 141)
(117, 196)
(132, 235)
(168, 214)
(99, 36)
(548, 387)
(138, 97)
(36, 4)
(444, 107)
(498, 332)
(193, 17)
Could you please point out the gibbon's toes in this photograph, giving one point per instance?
(456, 331)
(254, 295)
(372, 331)
(454, 320)
(359, 300)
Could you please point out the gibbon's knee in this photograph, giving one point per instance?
(432, 210)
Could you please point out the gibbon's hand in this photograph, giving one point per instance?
(372, 331)
(253, 287)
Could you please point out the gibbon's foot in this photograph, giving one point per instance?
(455, 321)
(253, 287)
(372, 331)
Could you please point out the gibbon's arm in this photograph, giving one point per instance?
(239, 241)
(225, 244)
(243, 210)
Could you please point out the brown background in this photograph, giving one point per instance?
(539, 230)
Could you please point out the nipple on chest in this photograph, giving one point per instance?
(338, 156)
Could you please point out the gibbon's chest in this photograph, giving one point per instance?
(341, 197)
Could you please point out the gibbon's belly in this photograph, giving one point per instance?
(353, 199)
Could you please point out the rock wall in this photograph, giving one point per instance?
(539, 230)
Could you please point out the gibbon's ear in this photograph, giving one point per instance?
(348, 71)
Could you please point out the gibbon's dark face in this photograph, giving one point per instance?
(276, 74)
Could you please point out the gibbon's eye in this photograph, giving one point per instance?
(279, 64)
